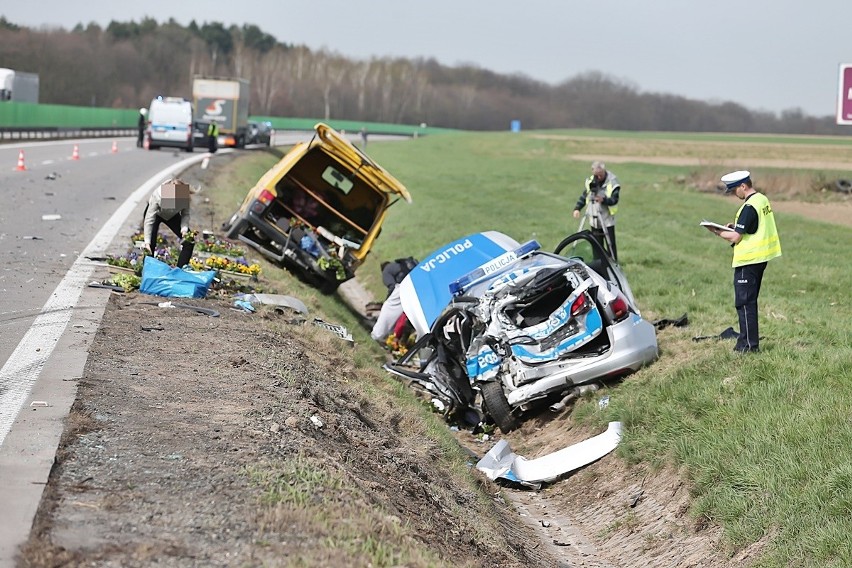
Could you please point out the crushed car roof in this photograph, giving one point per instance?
(425, 292)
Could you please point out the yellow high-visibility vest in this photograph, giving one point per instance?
(764, 244)
(609, 189)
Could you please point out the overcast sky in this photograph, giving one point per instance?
(771, 55)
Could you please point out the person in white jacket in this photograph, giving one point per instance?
(169, 204)
(392, 274)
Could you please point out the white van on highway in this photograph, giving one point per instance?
(169, 123)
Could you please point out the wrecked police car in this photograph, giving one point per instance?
(503, 325)
(318, 210)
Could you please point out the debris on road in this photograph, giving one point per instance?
(206, 311)
(729, 333)
(107, 286)
(682, 321)
(338, 330)
(276, 300)
(244, 306)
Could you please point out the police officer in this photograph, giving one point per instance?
(213, 136)
(755, 240)
(600, 198)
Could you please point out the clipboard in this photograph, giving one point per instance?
(711, 224)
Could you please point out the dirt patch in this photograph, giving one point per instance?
(788, 192)
(262, 451)
(837, 213)
(186, 450)
(840, 164)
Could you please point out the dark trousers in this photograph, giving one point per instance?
(186, 248)
(606, 240)
(747, 280)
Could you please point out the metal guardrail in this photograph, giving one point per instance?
(58, 133)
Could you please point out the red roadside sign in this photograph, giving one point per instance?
(844, 95)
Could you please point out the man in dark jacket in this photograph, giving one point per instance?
(143, 122)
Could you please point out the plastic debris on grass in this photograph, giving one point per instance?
(501, 462)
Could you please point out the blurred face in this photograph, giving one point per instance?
(600, 175)
(174, 196)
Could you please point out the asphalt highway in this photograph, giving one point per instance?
(62, 204)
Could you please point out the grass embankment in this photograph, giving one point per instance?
(766, 440)
(320, 496)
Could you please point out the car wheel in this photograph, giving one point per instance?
(235, 226)
(498, 407)
(328, 287)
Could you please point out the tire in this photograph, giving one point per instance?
(498, 407)
(324, 285)
(328, 287)
(236, 226)
(843, 185)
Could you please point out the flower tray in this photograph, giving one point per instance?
(205, 255)
(239, 276)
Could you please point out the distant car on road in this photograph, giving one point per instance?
(170, 123)
(259, 133)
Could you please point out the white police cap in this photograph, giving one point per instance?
(734, 179)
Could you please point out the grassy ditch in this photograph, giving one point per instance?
(766, 440)
(341, 518)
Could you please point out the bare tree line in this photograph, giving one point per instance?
(126, 64)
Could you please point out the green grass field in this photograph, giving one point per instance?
(766, 440)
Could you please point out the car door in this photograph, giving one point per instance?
(584, 247)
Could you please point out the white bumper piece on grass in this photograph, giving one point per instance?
(500, 461)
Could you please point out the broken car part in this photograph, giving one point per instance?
(503, 326)
(501, 462)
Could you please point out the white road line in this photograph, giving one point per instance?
(24, 366)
